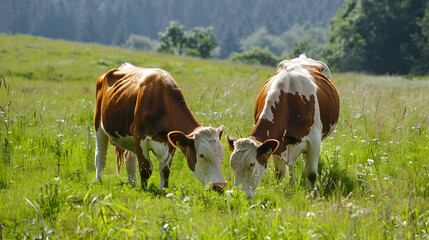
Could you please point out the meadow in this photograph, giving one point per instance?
(373, 170)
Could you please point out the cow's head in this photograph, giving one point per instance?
(204, 154)
(249, 161)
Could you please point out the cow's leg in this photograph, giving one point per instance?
(102, 143)
(131, 162)
(145, 165)
(292, 179)
(164, 154)
(279, 166)
(311, 164)
(145, 168)
(164, 173)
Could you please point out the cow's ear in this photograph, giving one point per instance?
(231, 141)
(220, 131)
(268, 147)
(179, 139)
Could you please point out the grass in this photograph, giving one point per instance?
(373, 171)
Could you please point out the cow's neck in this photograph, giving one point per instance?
(265, 130)
(181, 119)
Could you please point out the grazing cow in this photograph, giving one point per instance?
(295, 109)
(143, 109)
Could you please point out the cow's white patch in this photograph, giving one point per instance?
(125, 142)
(294, 79)
(159, 149)
(303, 60)
(102, 144)
(126, 65)
(131, 163)
(139, 75)
(161, 152)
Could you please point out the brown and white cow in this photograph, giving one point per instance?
(142, 110)
(295, 110)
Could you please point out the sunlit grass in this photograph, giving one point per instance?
(373, 171)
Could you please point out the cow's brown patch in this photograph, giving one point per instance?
(293, 119)
(329, 101)
(260, 100)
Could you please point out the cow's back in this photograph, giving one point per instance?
(123, 91)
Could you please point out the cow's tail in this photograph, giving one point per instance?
(119, 158)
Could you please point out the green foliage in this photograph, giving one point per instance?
(373, 170)
(87, 28)
(115, 21)
(284, 43)
(140, 43)
(5, 132)
(262, 39)
(173, 39)
(305, 45)
(420, 64)
(256, 56)
(333, 180)
(377, 37)
(229, 43)
(50, 201)
(198, 42)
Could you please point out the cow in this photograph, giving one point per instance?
(143, 109)
(295, 110)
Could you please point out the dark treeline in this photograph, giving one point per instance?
(111, 21)
(381, 37)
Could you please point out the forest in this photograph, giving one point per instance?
(114, 22)
(381, 37)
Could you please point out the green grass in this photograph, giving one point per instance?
(373, 171)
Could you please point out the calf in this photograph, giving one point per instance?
(141, 110)
(295, 110)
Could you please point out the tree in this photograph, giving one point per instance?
(140, 42)
(375, 36)
(257, 56)
(305, 45)
(420, 64)
(200, 42)
(120, 34)
(87, 30)
(229, 44)
(263, 39)
(172, 39)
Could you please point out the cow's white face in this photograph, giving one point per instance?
(209, 155)
(204, 154)
(249, 162)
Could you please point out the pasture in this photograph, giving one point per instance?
(373, 170)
